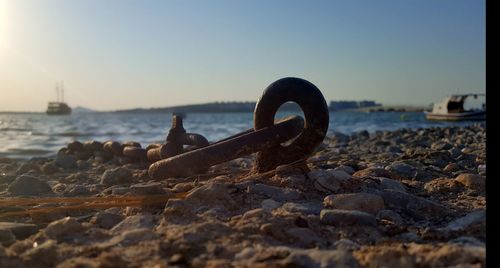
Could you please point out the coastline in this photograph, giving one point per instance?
(408, 197)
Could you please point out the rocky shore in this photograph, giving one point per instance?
(407, 198)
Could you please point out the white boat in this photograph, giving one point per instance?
(452, 109)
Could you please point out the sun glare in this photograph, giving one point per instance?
(4, 20)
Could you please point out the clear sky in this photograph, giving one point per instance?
(116, 54)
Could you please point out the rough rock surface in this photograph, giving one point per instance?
(404, 198)
(28, 185)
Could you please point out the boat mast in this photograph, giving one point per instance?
(57, 91)
(62, 91)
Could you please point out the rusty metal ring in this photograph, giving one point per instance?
(199, 160)
(315, 109)
(194, 139)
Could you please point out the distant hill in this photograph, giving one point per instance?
(80, 109)
(213, 107)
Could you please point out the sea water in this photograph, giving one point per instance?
(34, 135)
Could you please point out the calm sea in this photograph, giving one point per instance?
(32, 135)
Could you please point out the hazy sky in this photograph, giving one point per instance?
(126, 54)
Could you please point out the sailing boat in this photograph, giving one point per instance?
(59, 107)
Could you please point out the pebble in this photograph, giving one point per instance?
(134, 222)
(339, 217)
(43, 255)
(391, 184)
(468, 241)
(77, 190)
(116, 176)
(472, 218)
(92, 146)
(49, 168)
(373, 172)
(346, 244)
(412, 205)
(347, 169)
(7, 238)
(106, 220)
(118, 190)
(369, 203)
(328, 180)
(472, 181)
(63, 227)
(305, 236)
(270, 204)
(131, 237)
(481, 169)
(442, 185)
(27, 167)
(183, 187)
(154, 188)
(29, 185)
(401, 171)
(276, 193)
(66, 161)
(320, 259)
(75, 146)
(452, 167)
(303, 208)
(387, 214)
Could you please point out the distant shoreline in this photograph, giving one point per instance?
(230, 107)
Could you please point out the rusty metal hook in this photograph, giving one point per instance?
(266, 136)
(199, 160)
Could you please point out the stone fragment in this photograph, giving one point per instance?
(401, 171)
(134, 222)
(66, 161)
(339, 217)
(472, 181)
(305, 236)
(77, 190)
(63, 227)
(28, 185)
(369, 203)
(346, 244)
(472, 218)
(119, 175)
(154, 188)
(328, 181)
(308, 208)
(373, 172)
(387, 214)
(412, 205)
(106, 220)
(7, 238)
(276, 193)
(391, 184)
(319, 258)
(347, 169)
(49, 168)
(452, 167)
(270, 204)
(43, 255)
(27, 167)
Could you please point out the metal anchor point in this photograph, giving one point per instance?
(264, 139)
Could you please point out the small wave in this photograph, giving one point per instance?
(20, 151)
(15, 129)
(72, 134)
